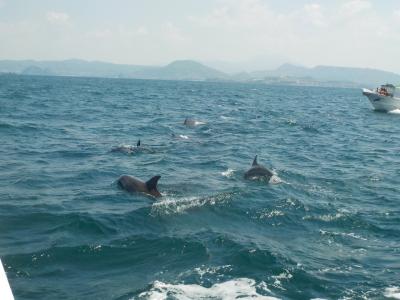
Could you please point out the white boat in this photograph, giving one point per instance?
(5, 290)
(384, 98)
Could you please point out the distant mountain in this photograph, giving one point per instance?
(332, 74)
(188, 69)
(34, 70)
(73, 67)
(192, 70)
(181, 70)
(178, 70)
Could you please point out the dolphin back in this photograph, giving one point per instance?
(257, 170)
(130, 184)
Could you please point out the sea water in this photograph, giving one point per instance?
(327, 226)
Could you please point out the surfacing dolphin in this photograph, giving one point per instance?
(133, 184)
(257, 171)
(192, 122)
(128, 149)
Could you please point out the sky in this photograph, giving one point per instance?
(232, 35)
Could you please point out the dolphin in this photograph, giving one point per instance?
(257, 171)
(132, 184)
(128, 149)
(192, 122)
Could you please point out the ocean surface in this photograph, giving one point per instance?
(327, 225)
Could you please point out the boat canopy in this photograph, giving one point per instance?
(389, 86)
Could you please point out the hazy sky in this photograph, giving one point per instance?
(249, 34)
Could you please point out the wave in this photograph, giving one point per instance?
(271, 214)
(342, 234)
(21, 127)
(307, 126)
(135, 251)
(226, 118)
(392, 292)
(171, 205)
(326, 218)
(240, 288)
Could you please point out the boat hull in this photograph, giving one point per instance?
(381, 102)
(5, 289)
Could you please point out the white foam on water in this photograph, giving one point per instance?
(199, 123)
(271, 214)
(241, 288)
(344, 234)
(392, 292)
(395, 111)
(325, 218)
(285, 276)
(275, 179)
(228, 173)
(203, 270)
(180, 136)
(168, 206)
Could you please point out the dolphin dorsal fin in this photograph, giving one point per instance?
(138, 143)
(185, 122)
(255, 163)
(152, 183)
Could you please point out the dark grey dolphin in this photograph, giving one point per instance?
(132, 184)
(257, 171)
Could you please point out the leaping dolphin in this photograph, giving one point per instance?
(257, 171)
(132, 184)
